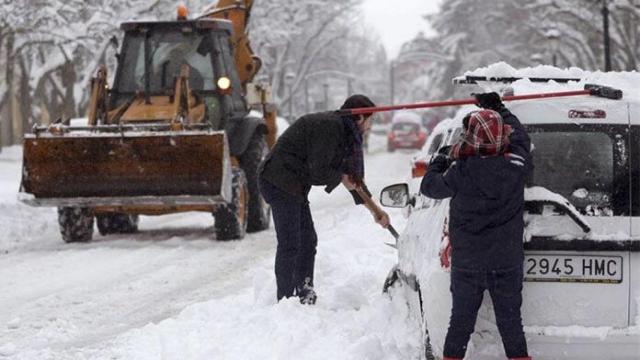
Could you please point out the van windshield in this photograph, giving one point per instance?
(577, 165)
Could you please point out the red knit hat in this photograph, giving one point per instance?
(486, 134)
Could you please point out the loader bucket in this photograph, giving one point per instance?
(184, 167)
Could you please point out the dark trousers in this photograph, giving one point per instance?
(467, 289)
(297, 239)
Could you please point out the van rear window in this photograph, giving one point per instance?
(577, 165)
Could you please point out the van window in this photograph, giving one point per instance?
(435, 144)
(405, 127)
(456, 136)
(577, 165)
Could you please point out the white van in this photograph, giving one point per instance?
(581, 297)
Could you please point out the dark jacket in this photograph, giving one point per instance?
(312, 151)
(487, 202)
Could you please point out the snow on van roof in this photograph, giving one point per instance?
(627, 81)
(502, 69)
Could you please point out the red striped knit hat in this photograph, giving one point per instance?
(486, 134)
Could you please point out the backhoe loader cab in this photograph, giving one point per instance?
(173, 134)
(152, 57)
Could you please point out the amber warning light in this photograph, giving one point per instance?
(183, 12)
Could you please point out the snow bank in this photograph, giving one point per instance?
(575, 331)
(171, 293)
(334, 329)
(20, 224)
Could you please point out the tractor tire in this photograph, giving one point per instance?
(259, 215)
(117, 223)
(231, 219)
(76, 224)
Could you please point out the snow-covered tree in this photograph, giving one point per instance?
(475, 33)
(294, 36)
(50, 49)
(580, 27)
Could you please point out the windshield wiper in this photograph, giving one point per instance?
(544, 196)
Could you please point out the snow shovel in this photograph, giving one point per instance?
(375, 209)
(589, 89)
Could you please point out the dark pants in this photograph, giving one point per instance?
(467, 289)
(297, 239)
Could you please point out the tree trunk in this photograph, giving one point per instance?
(26, 99)
(68, 81)
(6, 127)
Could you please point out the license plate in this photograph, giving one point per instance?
(573, 268)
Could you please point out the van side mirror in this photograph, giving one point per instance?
(395, 196)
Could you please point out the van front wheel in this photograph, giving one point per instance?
(407, 288)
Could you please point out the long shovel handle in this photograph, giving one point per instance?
(593, 90)
(375, 209)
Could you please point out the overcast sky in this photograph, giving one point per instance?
(398, 21)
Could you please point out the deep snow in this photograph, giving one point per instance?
(170, 292)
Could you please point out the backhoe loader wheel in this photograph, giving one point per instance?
(259, 210)
(231, 219)
(117, 223)
(76, 224)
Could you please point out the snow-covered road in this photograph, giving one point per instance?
(169, 292)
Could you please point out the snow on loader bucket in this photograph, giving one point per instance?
(114, 173)
(142, 168)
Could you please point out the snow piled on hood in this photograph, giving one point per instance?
(627, 81)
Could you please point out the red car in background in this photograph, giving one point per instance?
(406, 132)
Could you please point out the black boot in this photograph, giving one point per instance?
(306, 294)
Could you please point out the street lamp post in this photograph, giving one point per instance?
(306, 95)
(553, 37)
(392, 81)
(289, 77)
(607, 41)
(325, 86)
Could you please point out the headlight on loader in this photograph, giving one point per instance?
(224, 83)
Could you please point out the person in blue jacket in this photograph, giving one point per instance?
(484, 175)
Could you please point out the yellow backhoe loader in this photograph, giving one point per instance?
(173, 133)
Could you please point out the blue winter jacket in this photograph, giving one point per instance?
(487, 202)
